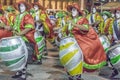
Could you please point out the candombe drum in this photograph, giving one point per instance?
(105, 42)
(71, 56)
(114, 55)
(40, 41)
(13, 53)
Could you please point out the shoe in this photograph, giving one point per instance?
(115, 73)
(17, 75)
(21, 78)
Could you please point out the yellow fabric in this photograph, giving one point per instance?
(66, 58)
(77, 69)
(98, 17)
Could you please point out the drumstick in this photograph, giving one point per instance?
(112, 47)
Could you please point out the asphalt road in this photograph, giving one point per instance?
(51, 69)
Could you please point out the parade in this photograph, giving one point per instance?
(86, 38)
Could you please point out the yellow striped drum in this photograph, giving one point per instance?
(105, 42)
(114, 55)
(13, 53)
(71, 56)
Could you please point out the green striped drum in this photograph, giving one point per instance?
(40, 41)
(13, 53)
(114, 55)
(105, 42)
(71, 56)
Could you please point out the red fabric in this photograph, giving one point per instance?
(90, 44)
(27, 19)
(3, 32)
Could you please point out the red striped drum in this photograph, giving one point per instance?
(71, 56)
(105, 42)
(13, 53)
(114, 55)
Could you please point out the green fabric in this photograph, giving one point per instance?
(106, 13)
(17, 24)
(9, 48)
(115, 59)
(86, 26)
(39, 39)
(97, 66)
(10, 9)
(41, 48)
(28, 26)
(8, 63)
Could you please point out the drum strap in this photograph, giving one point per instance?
(117, 32)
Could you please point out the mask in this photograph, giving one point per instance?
(22, 8)
(74, 12)
(36, 7)
(118, 14)
(94, 10)
(105, 17)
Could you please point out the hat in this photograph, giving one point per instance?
(10, 9)
(75, 5)
(106, 13)
(60, 14)
(40, 6)
(16, 6)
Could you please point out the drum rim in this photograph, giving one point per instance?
(12, 37)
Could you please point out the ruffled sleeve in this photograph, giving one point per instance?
(28, 21)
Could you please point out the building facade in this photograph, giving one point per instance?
(57, 4)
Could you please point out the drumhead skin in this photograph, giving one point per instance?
(71, 56)
(13, 53)
(114, 55)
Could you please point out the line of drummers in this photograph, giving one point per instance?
(87, 41)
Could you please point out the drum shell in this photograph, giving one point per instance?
(40, 41)
(13, 53)
(105, 42)
(71, 56)
(114, 56)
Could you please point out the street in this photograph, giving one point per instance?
(51, 69)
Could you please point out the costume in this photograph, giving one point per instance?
(88, 41)
(3, 31)
(96, 17)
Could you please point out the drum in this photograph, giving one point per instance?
(105, 42)
(114, 55)
(40, 41)
(13, 53)
(71, 56)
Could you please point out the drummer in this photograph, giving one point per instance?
(88, 41)
(108, 22)
(5, 30)
(24, 25)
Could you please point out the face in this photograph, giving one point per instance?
(105, 17)
(36, 7)
(74, 12)
(22, 7)
(94, 10)
(117, 14)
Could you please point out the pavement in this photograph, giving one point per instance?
(51, 69)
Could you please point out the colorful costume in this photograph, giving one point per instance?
(4, 32)
(108, 31)
(93, 52)
(96, 17)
